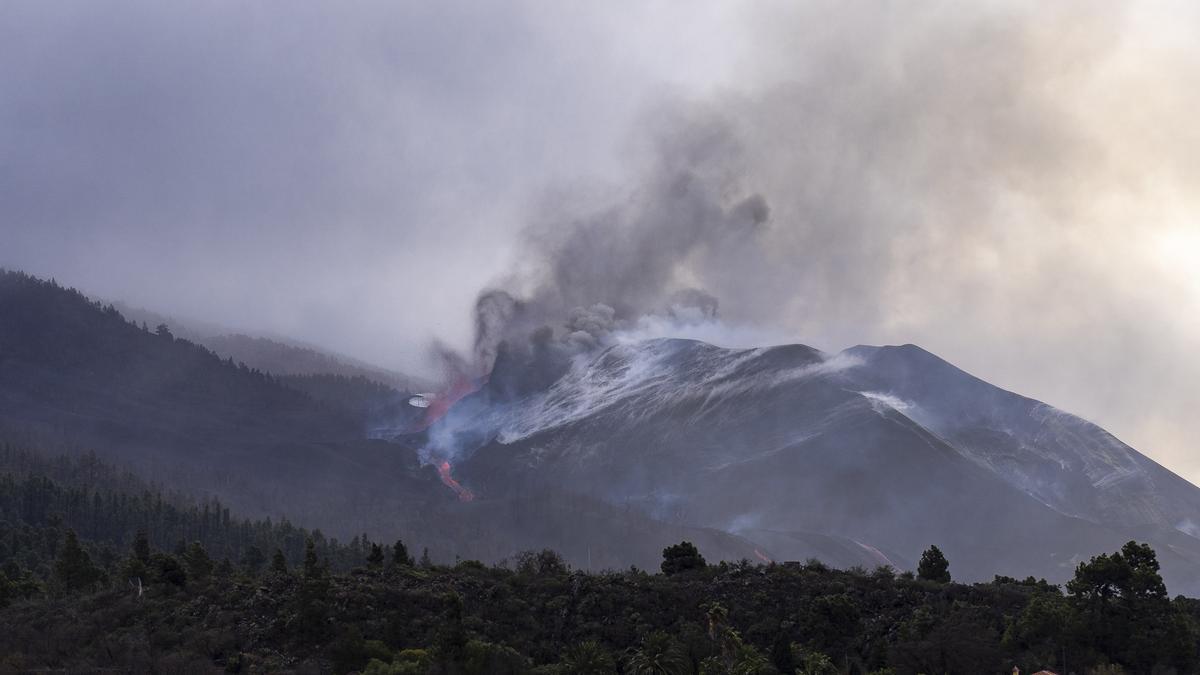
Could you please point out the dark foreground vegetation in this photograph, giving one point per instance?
(87, 582)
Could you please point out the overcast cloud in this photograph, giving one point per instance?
(1013, 187)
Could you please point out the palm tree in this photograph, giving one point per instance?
(589, 658)
(736, 657)
(659, 655)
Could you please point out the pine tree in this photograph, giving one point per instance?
(138, 562)
(73, 568)
(682, 557)
(312, 567)
(199, 565)
(400, 557)
(934, 566)
(313, 597)
(375, 558)
(278, 562)
(253, 560)
(141, 547)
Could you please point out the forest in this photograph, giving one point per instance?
(99, 570)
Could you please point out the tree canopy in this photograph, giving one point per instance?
(934, 566)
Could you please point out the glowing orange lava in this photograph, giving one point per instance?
(464, 494)
(441, 404)
(762, 556)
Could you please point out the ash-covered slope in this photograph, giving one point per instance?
(884, 450)
(1068, 463)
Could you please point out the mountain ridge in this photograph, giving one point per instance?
(728, 437)
(273, 354)
(782, 452)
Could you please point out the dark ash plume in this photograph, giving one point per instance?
(589, 273)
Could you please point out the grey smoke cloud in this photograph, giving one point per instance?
(1011, 185)
(350, 174)
(999, 182)
(995, 182)
(589, 269)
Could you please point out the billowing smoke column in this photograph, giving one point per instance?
(589, 275)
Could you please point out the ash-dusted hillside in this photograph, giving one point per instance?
(888, 448)
(1068, 463)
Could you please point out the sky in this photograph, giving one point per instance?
(1014, 186)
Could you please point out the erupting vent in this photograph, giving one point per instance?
(436, 406)
(441, 403)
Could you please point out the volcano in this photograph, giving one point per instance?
(870, 454)
(863, 457)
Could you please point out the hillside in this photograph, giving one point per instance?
(277, 356)
(42, 497)
(79, 373)
(76, 376)
(281, 358)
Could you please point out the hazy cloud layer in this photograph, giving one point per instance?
(1014, 186)
(348, 173)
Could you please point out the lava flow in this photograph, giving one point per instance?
(441, 404)
(464, 494)
(437, 408)
(762, 556)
